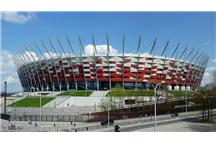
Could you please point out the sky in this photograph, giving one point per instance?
(19, 29)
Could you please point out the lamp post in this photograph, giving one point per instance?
(108, 123)
(186, 100)
(40, 107)
(155, 102)
(108, 109)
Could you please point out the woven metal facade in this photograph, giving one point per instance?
(104, 71)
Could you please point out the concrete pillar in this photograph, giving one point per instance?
(176, 87)
(182, 88)
(169, 87)
(188, 88)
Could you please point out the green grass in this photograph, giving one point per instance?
(32, 102)
(131, 93)
(117, 93)
(180, 93)
(75, 93)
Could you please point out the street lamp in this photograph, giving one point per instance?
(108, 118)
(186, 100)
(40, 106)
(155, 102)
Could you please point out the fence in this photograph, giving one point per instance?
(50, 118)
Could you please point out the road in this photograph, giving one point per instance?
(165, 123)
(181, 126)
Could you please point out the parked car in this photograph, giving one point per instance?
(105, 122)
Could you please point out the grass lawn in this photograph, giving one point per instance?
(116, 93)
(32, 102)
(181, 93)
(130, 93)
(76, 93)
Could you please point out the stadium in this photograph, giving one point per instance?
(181, 69)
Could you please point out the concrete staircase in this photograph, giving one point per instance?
(98, 93)
(56, 102)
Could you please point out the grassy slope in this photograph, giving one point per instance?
(181, 93)
(32, 102)
(144, 93)
(75, 93)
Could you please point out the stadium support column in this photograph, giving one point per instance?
(53, 63)
(36, 68)
(82, 51)
(164, 52)
(94, 52)
(67, 82)
(39, 61)
(191, 68)
(138, 53)
(152, 54)
(61, 58)
(27, 65)
(173, 54)
(32, 70)
(108, 51)
(123, 47)
(182, 64)
(60, 64)
(51, 81)
(72, 67)
(186, 63)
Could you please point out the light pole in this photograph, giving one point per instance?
(107, 107)
(186, 100)
(155, 101)
(40, 107)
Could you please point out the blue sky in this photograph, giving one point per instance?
(193, 29)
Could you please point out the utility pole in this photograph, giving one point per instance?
(5, 95)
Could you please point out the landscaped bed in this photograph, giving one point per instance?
(76, 93)
(32, 102)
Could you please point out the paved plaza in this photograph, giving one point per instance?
(182, 126)
(186, 122)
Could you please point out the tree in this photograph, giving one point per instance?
(114, 103)
(206, 100)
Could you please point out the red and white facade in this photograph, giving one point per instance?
(105, 71)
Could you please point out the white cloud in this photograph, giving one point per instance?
(47, 55)
(17, 17)
(214, 61)
(29, 56)
(101, 49)
(208, 75)
(8, 71)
